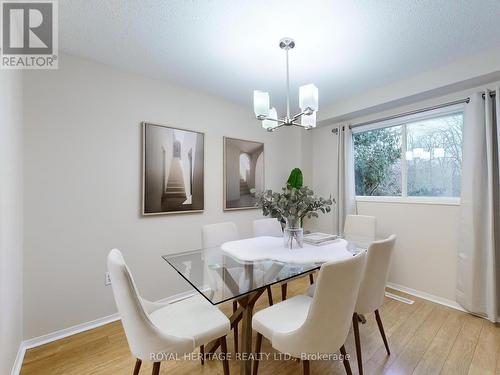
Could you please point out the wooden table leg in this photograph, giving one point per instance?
(243, 313)
(212, 346)
(235, 318)
(246, 330)
(270, 296)
(283, 291)
(246, 340)
(235, 328)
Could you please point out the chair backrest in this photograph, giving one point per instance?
(214, 235)
(267, 227)
(143, 336)
(360, 228)
(330, 314)
(372, 288)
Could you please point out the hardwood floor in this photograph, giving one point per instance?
(424, 338)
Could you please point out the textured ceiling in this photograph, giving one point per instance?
(229, 48)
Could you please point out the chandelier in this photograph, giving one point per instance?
(308, 102)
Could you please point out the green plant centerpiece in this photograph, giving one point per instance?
(294, 203)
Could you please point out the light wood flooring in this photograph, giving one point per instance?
(424, 338)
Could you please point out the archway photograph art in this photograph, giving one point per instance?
(172, 170)
(243, 173)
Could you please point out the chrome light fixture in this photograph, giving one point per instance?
(308, 102)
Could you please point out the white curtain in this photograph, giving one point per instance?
(346, 204)
(478, 283)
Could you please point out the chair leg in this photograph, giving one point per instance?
(283, 291)
(305, 366)
(270, 296)
(381, 329)
(355, 327)
(347, 366)
(202, 354)
(236, 338)
(311, 279)
(258, 344)
(223, 348)
(235, 307)
(137, 367)
(156, 368)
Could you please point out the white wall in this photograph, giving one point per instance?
(11, 209)
(83, 185)
(425, 258)
(426, 250)
(460, 75)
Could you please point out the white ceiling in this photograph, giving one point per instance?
(229, 48)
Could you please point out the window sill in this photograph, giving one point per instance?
(444, 201)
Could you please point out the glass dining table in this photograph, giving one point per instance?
(242, 270)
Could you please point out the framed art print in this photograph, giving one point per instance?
(243, 173)
(173, 169)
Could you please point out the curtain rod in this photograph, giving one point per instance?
(466, 100)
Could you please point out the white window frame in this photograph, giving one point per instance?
(403, 122)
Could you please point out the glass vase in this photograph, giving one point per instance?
(293, 234)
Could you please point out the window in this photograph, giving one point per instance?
(416, 156)
(377, 162)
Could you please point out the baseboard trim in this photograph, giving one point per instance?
(426, 296)
(65, 332)
(18, 363)
(79, 328)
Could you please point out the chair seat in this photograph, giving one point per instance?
(282, 317)
(193, 317)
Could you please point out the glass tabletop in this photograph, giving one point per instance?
(221, 277)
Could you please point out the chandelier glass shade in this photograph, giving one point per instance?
(308, 102)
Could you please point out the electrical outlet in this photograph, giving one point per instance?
(107, 279)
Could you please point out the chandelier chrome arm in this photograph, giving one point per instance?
(306, 112)
(265, 118)
(287, 122)
(290, 124)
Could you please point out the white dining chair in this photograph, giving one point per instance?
(372, 290)
(267, 227)
(156, 331)
(214, 235)
(304, 325)
(272, 227)
(360, 229)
